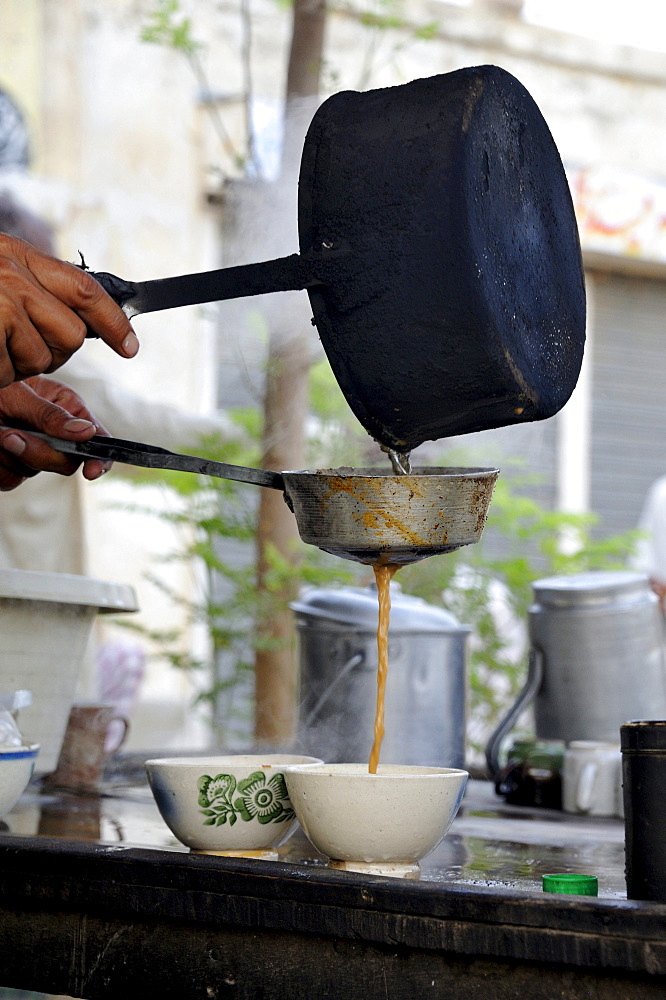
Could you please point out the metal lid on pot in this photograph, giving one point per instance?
(357, 607)
(592, 589)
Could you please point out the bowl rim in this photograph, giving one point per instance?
(419, 472)
(407, 772)
(21, 752)
(257, 761)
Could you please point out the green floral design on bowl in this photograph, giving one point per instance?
(266, 801)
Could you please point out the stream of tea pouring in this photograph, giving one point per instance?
(383, 576)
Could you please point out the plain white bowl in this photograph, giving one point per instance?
(235, 804)
(362, 820)
(16, 767)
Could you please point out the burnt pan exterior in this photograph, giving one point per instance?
(465, 307)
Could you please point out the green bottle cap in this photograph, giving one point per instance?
(572, 884)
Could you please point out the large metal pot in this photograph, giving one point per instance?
(425, 691)
(596, 658)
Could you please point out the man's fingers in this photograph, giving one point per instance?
(93, 468)
(32, 455)
(60, 301)
(52, 408)
(21, 402)
(61, 331)
(87, 299)
(12, 470)
(40, 333)
(27, 352)
(9, 479)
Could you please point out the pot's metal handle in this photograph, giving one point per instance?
(284, 274)
(532, 685)
(352, 662)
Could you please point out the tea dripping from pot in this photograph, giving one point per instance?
(400, 461)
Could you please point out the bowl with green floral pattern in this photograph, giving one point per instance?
(235, 805)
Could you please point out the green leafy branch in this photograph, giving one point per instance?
(167, 25)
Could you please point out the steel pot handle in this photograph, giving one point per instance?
(532, 685)
(148, 456)
(352, 662)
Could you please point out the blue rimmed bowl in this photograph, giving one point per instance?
(16, 767)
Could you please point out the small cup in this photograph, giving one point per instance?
(84, 749)
(591, 777)
(382, 823)
(235, 805)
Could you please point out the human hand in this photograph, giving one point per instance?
(45, 305)
(53, 408)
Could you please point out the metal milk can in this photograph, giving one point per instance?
(596, 658)
(425, 689)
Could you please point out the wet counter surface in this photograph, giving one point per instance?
(113, 905)
(489, 843)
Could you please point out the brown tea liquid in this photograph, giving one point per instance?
(383, 575)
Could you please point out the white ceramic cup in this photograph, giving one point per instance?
(592, 778)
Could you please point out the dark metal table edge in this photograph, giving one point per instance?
(55, 876)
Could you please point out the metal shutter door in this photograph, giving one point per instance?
(628, 396)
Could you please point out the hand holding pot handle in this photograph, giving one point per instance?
(46, 306)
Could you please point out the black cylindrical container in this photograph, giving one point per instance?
(644, 790)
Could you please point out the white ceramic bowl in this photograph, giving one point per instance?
(235, 804)
(16, 767)
(382, 822)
